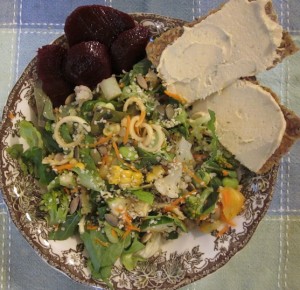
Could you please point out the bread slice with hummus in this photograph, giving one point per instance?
(211, 61)
(242, 38)
(251, 123)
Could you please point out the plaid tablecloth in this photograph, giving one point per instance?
(271, 260)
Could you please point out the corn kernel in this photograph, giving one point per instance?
(124, 178)
(80, 165)
(157, 172)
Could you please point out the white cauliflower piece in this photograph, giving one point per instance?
(169, 185)
(183, 152)
(83, 94)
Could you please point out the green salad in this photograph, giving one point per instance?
(127, 167)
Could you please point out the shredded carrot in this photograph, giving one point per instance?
(225, 172)
(91, 227)
(105, 159)
(102, 140)
(126, 136)
(176, 97)
(115, 146)
(74, 190)
(142, 117)
(121, 85)
(193, 175)
(103, 244)
(223, 231)
(199, 157)
(203, 217)
(128, 225)
(179, 200)
(11, 115)
(67, 191)
(66, 166)
(127, 232)
(114, 233)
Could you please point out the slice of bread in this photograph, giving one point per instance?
(287, 47)
(154, 49)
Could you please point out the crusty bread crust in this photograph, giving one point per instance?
(154, 49)
(291, 134)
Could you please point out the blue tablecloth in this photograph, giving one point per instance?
(270, 260)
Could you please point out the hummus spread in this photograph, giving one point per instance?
(237, 41)
(250, 123)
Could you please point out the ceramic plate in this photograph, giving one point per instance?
(190, 258)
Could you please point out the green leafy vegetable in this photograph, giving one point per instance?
(44, 106)
(66, 229)
(86, 158)
(16, 152)
(129, 257)
(33, 157)
(144, 196)
(103, 254)
(30, 134)
(141, 67)
(89, 179)
(56, 204)
(195, 203)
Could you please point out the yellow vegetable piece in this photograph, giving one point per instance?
(232, 201)
(157, 172)
(125, 178)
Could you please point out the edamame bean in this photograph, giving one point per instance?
(230, 182)
(128, 153)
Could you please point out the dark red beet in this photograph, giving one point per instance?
(96, 22)
(50, 59)
(87, 63)
(129, 48)
(57, 89)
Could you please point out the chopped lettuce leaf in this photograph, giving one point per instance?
(144, 196)
(141, 67)
(102, 253)
(129, 257)
(86, 158)
(50, 144)
(66, 229)
(16, 152)
(31, 135)
(44, 106)
(33, 157)
(89, 179)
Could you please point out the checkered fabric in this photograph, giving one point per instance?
(271, 260)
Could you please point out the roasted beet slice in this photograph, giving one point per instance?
(50, 59)
(87, 63)
(129, 48)
(96, 22)
(57, 89)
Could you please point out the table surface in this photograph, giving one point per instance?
(271, 258)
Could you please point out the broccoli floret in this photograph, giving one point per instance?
(195, 204)
(56, 204)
